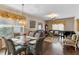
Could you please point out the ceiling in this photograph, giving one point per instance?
(41, 10)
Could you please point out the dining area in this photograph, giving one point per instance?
(17, 36)
(24, 44)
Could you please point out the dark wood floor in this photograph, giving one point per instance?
(57, 48)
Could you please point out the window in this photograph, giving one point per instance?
(8, 28)
(39, 26)
(57, 27)
(6, 31)
(18, 29)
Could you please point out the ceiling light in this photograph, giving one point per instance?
(52, 15)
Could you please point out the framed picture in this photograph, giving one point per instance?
(32, 24)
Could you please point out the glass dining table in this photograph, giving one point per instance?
(23, 40)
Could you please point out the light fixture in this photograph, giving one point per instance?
(52, 15)
(21, 21)
(22, 9)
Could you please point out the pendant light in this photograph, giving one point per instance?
(22, 21)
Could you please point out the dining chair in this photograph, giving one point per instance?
(30, 33)
(34, 47)
(4, 43)
(32, 43)
(37, 34)
(39, 46)
(14, 50)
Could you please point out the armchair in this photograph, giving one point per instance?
(72, 42)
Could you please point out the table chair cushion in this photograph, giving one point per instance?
(20, 48)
